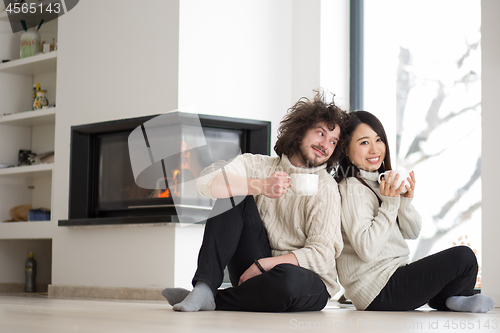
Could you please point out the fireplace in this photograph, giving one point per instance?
(143, 170)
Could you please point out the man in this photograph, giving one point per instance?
(279, 247)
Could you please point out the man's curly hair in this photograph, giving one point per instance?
(304, 115)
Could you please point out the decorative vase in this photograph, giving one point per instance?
(40, 100)
(30, 44)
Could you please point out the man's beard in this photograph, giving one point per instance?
(307, 161)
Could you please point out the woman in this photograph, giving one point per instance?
(374, 266)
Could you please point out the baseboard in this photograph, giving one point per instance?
(82, 292)
(15, 288)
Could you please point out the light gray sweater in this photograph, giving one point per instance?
(374, 243)
(307, 226)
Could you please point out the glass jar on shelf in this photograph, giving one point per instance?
(30, 44)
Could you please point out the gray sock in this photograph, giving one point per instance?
(201, 298)
(475, 303)
(174, 295)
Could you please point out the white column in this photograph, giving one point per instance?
(490, 157)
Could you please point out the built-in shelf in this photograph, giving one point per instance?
(38, 64)
(23, 129)
(32, 171)
(25, 230)
(30, 118)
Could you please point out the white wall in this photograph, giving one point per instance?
(256, 58)
(235, 58)
(306, 48)
(334, 54)
(116, 60)
(119, 60)
(490, 159)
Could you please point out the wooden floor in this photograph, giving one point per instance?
(20, 314)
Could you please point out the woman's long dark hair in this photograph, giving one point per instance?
(345, 168)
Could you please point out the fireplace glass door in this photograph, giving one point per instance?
(117, 190)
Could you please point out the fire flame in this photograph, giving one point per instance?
(176, 190)
(185, 156)
(165, 194)
(185, 164)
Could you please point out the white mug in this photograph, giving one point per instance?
(304, 183)
(403, 174)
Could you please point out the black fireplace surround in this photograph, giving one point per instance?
(106, 187)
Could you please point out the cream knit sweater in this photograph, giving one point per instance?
(374, 243)
(307, 226)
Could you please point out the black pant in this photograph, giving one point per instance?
(236, 237)
(431, 280)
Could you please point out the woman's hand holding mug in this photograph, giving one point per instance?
(393, 183)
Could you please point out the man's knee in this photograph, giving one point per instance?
(293, 280)
(227, 205)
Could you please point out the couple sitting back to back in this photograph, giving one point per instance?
(283, 250)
